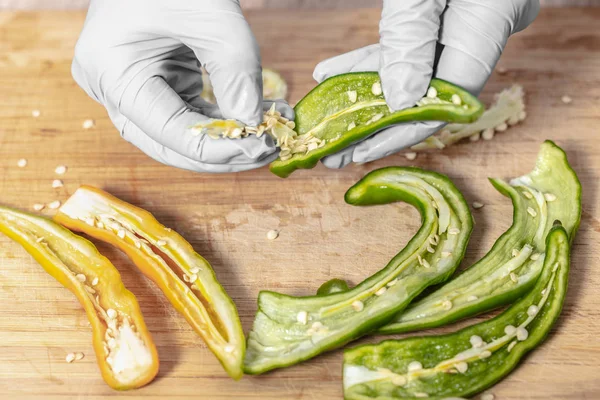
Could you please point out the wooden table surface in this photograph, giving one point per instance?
(226, 217)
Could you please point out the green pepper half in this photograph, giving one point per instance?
(550, 192)
(468, 361)
(289, 329)
(347, 108)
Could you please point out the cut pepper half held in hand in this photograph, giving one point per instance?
(464, 363)
(550, 192)
(185, 277)
(289, 329)
(124, 348)
(347, 108)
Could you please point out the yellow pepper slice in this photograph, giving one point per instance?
(124, 348)
(165, 257)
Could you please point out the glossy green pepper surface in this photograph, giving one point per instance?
(289, 329)
(347, 108)
(550, 192)
(468, 361)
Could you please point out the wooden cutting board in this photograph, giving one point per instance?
(226, 217)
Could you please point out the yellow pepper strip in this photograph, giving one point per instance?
(124, 348)
(168, 260)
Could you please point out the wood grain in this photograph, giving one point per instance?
(226, 217)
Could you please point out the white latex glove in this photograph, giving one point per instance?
(456, 40)
(141, 60)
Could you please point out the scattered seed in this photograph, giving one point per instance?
(453, 231)
(70, 357)
(381, 291)
(510, 330)
(533, 310)
(22, 163)
(54, 205)
(410, 155)
(513, 120)
(80, 277)
(399, 380)
(358, 305)
(475, 137)
(522, 334)
(351, 126)
(112, 314)
(487, 134)
(476, 341)
(511, 345)
(456, 99)
(195, 270)
(531, 212)
(513, 277)
(534, 256)
(186, 278)
(352, 96)
(193, 278)
(38, 207)
(485, 354)
(447, 305)
(229, 349)
(515, 252)
(477, 205)
(549, 197)
(317, 325)
(527, 194)
(79, 356)
(462, 367)
(36, 113)
(121, 233)
(60, 170)
(414, 366)
(161, 242)
(272, 235)
(501, 71)
(426, 264)
(39, 240)
(502, 127)
(522, 115)
(138, 244)
(487, 396)
(376, 89)
(302, 317)
(88, 124)
(472, 298)
(430, 249)
(57, 183)
(90, 221)
(392, 283)
(566, 99)
(95, 281)
(432, 92)
(290, 124)
(376, 118)
(421, 394)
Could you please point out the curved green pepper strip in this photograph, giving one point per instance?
(347, 108)
(468, 361)
(333, 286)
(289, 329)
(550, 192)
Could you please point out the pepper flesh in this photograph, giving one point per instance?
(185, 278)
(464, 363)
(339, 119)
(124, 349)
(513, 264)
(289, 329)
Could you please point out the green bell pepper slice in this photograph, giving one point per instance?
(550, 192)
(467, 362)
(288, 330)
(347, 108)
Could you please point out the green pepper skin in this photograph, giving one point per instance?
(330, 97)
(288, 330)
(333, 286)
(487, 284)
(381, 372)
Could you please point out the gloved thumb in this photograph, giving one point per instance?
(409, 32)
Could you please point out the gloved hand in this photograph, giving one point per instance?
(139, 59)
(456, 40)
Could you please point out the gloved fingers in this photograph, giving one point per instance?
(155, 108)
(524, 13)
(342, 63)
(225, 45)
(409, 31)
(372, 62)
(339, 159)
(165, 155)
(394, 139)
